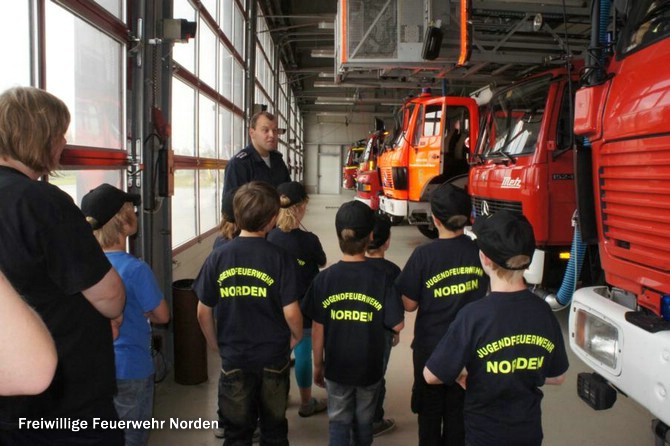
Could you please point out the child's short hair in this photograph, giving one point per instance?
(255, 204)
(506, 238)
(451, 206)
(354, 222)
(31, 121)
(380, 233)
(108, 235)
(291, 195)
(107, 209)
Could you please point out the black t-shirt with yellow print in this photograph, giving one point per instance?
(355, 303)
(442, 276)
(509, 343)
(248, 282)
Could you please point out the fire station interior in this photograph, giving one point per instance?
(157, 81)
(511, 39)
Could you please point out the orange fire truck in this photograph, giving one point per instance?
(621, 330)
(428, 148)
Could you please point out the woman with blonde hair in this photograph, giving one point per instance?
(51, 258)
(307, 249)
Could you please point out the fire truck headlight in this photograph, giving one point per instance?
(598, 338)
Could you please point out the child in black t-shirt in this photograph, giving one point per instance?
(306, 247)
(439, 279)
(253, 287)
(380, 243)
(351, 304)
(505, 346)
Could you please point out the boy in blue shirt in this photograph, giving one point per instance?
(111, 214)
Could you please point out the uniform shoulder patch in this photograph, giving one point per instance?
(242, 155)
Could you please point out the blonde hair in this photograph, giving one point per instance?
(511, 274)
(228, 229)
(288, 219)
(109, 234)
(31, 122)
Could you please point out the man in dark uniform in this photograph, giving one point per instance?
(260, 160)
(504, 347)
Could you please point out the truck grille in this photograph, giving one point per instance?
(635, 194)
(387, 177)
(494, 205)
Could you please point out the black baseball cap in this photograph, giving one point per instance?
(103, 202)
(292, 190)
(381, 231)
(356, 216)
(448, 200)
(504, 235)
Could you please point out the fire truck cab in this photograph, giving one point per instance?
(428, 148)
(622, 330)
(524, 163)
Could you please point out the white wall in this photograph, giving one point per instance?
(187, 264)
(340, 130)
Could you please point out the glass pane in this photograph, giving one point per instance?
(209, 199)
(210, 6)
(207, 59)
(207, 134)
(88, 75)
(183, 207)
(226, 148)
(238, 37)
(226, 70)
(184, 53)
(78, 183)
(238, 84)
(239, 141)
(226, 20)
(183, 127)
(113, 6)
(431, 125)
(19, 50)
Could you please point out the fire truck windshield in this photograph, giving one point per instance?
(648, 22)
(514, 120)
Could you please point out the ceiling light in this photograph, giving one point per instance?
(327, 53)
(326, 25)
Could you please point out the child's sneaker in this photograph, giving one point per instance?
(314, 406)
(383, 426)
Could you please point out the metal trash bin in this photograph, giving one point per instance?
(190, 347)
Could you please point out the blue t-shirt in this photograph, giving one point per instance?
(132, 349)
(248, 282)
(354, 303)
(442, 276)
(509, 343)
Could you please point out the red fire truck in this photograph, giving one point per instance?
(350, 168)
(368, 184)
(428, 149)
(524, 163)
(621, 330)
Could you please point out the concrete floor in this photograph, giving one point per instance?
(566, 419)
